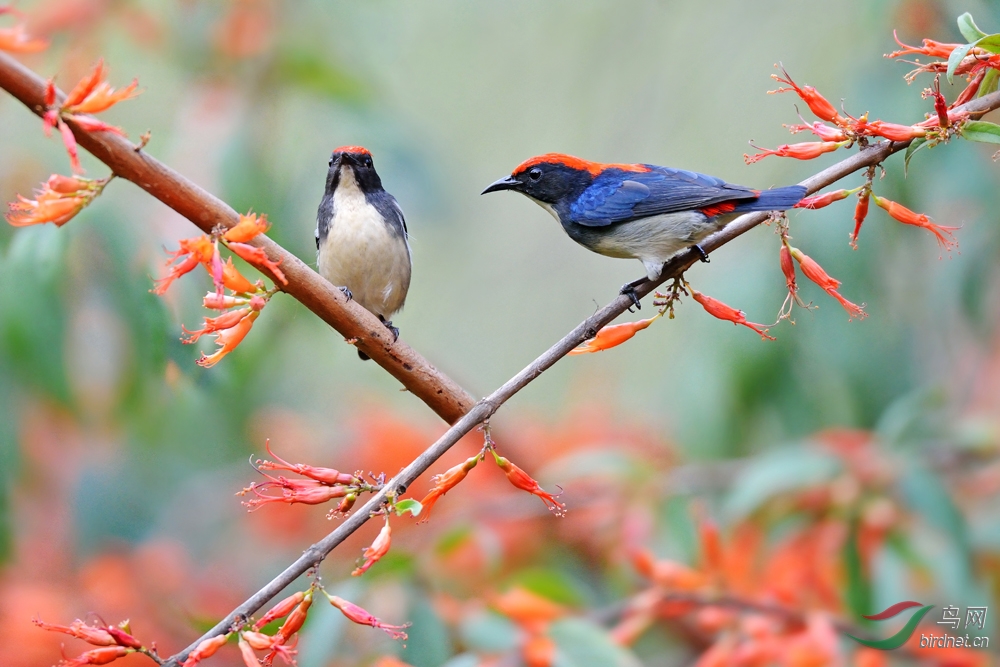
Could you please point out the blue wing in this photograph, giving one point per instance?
(617, 195)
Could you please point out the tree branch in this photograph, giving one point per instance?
(440, 393)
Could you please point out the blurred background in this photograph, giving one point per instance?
(833, 472)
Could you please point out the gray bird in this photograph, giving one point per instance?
(361, 236)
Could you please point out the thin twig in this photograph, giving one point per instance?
(437, 390)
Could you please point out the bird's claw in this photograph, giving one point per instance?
(629, 291)
(702, 255)
(347, 292)
(392, 329)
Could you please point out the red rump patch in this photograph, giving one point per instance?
(352, 149)
(594, 168)
(719, 209)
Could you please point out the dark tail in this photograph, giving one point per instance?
(778, 199)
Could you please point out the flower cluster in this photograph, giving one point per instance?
(92, 94)
(115, 641)
(58, 200)
(247, 298)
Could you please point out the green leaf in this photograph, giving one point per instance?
(956, 57)
(968, 28)
(859, 591)
(408, 505)
(914, 146)
(989, 83)
(551, 584)
(777, 472)
(581, 643)
(982, 131)
(990, 43)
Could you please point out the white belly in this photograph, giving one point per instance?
(362, 254)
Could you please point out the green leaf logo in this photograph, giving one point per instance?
(904, 633)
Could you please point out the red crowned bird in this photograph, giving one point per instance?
(637, 210)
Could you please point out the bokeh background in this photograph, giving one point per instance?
(846, 466)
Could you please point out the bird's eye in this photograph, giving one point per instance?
(535, 173)
(331, 161)
(368, 161)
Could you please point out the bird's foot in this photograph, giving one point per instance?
(628, 289)
(363, 356)
(702, 255)
(347, 292)
(388, 325)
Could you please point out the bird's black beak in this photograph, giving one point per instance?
(505, 183)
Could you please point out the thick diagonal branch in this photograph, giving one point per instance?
(439, 392)
(442, 394)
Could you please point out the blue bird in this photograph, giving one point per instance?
(642, 211)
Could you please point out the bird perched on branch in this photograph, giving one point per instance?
(361, 237)
(637, 210)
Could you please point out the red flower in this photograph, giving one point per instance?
(228, 339)
(280, 610)
(523, 481)
(788, 268)
(893, 131)
(818, 104)
(379, 548)
(15, 39)
(235, 280)
(821, 130)
(80, 630)
(93, 94)
(258, 257)
(58, 201)
(296, 618)
(944, 235)
(206, 649)
(197, 250)
(215, 324)
(612, 336)
(716, 308)
(930, 48)
(304, 491)
(356, 614)
(444, 483)
(322, 475)
(825, 199)
(247, 228)
(815, 273)
(803, 151)
(860, 212)
(99, 656)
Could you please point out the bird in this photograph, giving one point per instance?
(641, 211)
(362, 244)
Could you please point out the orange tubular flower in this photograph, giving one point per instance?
(16, 40)
(58, 201)
(80, 630)
(788, 268)
(296, 618)
(379, 548)
(228, 339)
(235, 280)
(860, 212)
(944, 235)
(523, 481)
(197, 250)
(803, 151)
(246, 652)
(893, 131)
(222, 302)
(815, 273)
(930, 48)
(818, 104)
(280, 610)
(205, 649)
(821, 130)
(322, 475)
(303, 491)
(99, 656)
(93, 94)
(825, 199)
(249, 226)
(257, 257)
(356, 614)
(716, 308)
(612, 336)
(444, 483)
